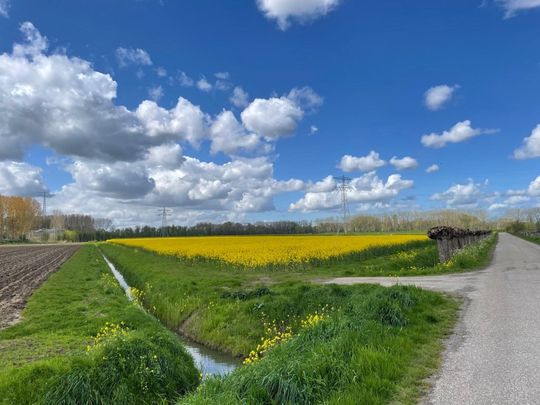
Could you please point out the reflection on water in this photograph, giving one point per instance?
(209, 362)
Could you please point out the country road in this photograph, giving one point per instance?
(493, 357)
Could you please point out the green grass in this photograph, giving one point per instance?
(44, 357)
(376, 347)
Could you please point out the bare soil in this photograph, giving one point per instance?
(22, 270)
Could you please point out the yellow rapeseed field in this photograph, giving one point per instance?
(257, 251)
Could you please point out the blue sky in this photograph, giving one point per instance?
(315, 81)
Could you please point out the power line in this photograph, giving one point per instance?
(343, 186)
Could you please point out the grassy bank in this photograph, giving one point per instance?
(373, 346)
(54, 355)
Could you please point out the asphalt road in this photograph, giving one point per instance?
(493, 357)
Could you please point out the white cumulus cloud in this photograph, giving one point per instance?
(458, 133)
(273, 118)
(366, 189)
(467, 195)
(18, 178)
(436, 97)
(433, 168)
(404, 163)
(534, 187)
(367, 163)
(283, 11)
(531, 146)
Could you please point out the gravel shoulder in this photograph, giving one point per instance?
(493, 357)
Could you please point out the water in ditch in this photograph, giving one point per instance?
(209, 362)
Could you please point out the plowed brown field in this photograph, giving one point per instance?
(22, 270)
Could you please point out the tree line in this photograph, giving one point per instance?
(21, 216)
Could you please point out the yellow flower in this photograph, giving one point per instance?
(260, 251)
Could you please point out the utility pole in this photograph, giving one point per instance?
(164, 213)
(343, 186)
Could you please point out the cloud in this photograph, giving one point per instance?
(272, 118)
(168, 155)
(461, 195)
(306, 98)
(436, 97)
(184, 122)
(161, 72)
(229, 136)
(18, 178)
(155, 93)
(531, 146)
(404, 163)
(313, 129)
(204, 85)
(132, 56)
(364, 163)
(4, 8)
(34, 43)
(367, 189)
(433, 168)
(120, 180)
(512, 7)
(125, 161)
(185, 80)
(497, 206)
(239, 98)
(516, 199)
(222, 75)
(458, 133)
(278, 117)
(283, 11)
(534, 187)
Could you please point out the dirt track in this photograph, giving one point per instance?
(22, 270)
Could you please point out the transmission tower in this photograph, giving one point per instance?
(343, 186)
(44, 195)
(164, 213)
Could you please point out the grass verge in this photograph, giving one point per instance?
(533, 239)
(81, 341)
(376, 347)
(369, 344)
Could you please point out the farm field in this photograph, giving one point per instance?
(22, 270)
(260, 251)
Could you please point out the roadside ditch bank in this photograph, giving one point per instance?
(208, 361)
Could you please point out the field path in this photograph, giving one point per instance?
(22, 270)
(493, 357)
